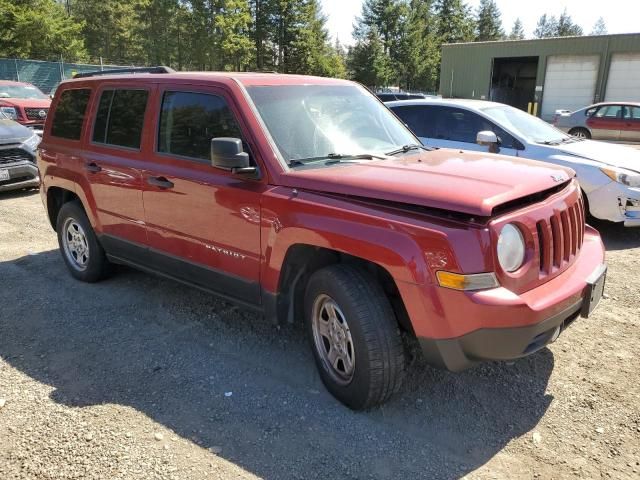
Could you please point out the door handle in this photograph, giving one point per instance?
(159, 182)
(93, 167)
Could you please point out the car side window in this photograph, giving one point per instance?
(609, 112)
(635, 113)
(418, 118)
(120, 117)
(189, 120)
(69, 113)
(589, 112)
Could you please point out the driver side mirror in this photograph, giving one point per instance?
(490, 139)
(227, 154)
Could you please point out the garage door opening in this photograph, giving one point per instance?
(513, 81)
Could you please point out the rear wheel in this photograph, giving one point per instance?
(580, 133)
(354, 336)
(83, 255)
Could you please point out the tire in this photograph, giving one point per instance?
(580, 133)
(79, 246)
(374, 359)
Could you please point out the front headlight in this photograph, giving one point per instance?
(32, 142)
(511, 248)
(625, 177)
(10, 112)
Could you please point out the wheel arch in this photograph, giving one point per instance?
(303, 260)
(56, 197)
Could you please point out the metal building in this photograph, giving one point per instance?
(544, 75)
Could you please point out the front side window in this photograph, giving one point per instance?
(69, 114)
(189, 120)
(314, 121)
(120, 118)
(635, 113)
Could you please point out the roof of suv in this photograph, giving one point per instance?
(246, 79)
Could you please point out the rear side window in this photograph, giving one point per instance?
(69, 114)
(418, 118)
(120, 118)
(188, 122)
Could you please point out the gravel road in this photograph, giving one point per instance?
(141, 378)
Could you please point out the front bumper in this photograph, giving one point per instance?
(459, 329)
(21, 175)
(497, 343)
(617, 203)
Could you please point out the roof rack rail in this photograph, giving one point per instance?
(117, 71)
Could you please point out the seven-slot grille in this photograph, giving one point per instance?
(12, 155)
(560, 237)
(34, 113)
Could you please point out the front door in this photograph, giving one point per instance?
(203, 223)
(631, 130)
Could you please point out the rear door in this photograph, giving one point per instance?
(112, 163)
(607, 122)
(203, 223)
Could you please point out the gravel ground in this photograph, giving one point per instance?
(141, 378)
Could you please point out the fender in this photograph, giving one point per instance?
(410, 251)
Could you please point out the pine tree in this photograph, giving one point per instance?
(39, 29)
(566, 27)
(547, 27)
(368, 63)
(517, 32)
(600, 28)
(455, 21)
(489, 25)
(232, 24)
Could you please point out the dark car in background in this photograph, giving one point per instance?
(24, 103)
(618, 121)
(18, 146)
(393, 96)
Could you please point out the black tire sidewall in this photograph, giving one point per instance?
(98, 265)
(356, 394)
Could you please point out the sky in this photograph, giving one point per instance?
(621, 16)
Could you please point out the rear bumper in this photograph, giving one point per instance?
(21, 175)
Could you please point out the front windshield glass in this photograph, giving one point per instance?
(308, 121)
(528, 126)
(21, 91)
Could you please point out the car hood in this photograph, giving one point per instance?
(13, 132)
(26, 102)
(460, 181)
(607, 153)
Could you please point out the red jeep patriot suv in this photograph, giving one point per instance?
(307, 199)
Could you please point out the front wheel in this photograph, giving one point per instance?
(354, 336)
(79, 245)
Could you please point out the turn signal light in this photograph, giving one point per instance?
(459, 281)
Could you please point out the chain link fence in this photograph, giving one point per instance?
(45, 75)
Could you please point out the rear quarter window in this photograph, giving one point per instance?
(69, 113)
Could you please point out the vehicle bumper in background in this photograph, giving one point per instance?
(21, 175)
(459, 329)
(617, 203)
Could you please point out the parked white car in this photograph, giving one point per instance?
(608, 174)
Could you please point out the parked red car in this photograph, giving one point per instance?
(306, 199)
(618, 121)
(24, 103)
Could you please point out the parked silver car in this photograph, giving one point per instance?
(608, 174)
(615, 121)
(18, 146)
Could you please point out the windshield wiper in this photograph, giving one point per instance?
(336, 157)
(408, 148)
